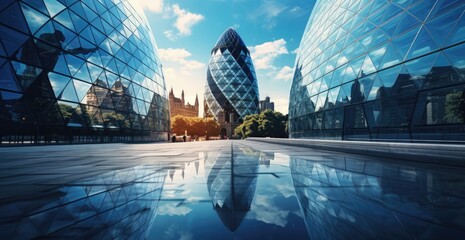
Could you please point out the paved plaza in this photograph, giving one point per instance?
(223, 189)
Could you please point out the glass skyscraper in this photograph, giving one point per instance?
(231, 81)
(381, 70)
(79, 71)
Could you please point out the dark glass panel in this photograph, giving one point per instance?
(13, 17)
(439, 107)
(67, 110)
(442, 73)
(110, 118)
(12, 40)
(26, 74)
(7, 79)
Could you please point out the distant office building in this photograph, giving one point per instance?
(179, 107)
(381, 70)
(231, 92)
(266, 104)
(79, 71)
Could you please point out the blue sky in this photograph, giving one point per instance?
(186, 31)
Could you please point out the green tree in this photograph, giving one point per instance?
(265, 124)
(194, 126)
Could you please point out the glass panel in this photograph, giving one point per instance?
(65, 19)
(332, 98)
(423, 44)
(408, 22)
(12, 17)
(377, 55)
(34, 18)
(444, 106)
(12, 40)
(390, 58)
(54, 7)
(441, 26)
(81, 88)
(25, 74)
(66, 109)
(69, 93)
(442, 73)
(403, 42)
(343, 98)
(58, 82)
(7, 79)
(110, 118)
(422, 9)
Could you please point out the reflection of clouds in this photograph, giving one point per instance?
(263, 210)
(286, 190)
(171, 209)
(298, 213)
(174, 232)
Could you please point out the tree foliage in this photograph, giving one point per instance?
(265, 124)
(194, 126)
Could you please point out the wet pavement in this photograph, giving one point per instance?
(224, 190)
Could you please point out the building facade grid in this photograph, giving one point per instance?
(381, 70)
(79, 71)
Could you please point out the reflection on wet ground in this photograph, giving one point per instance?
(240, 190)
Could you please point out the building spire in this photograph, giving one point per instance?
(182, 97)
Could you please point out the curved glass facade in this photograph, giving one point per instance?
(381, 70)
(79, 71)
(231, 82)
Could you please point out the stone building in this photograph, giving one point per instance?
(178, 106)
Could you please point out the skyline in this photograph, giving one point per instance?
(186, 32)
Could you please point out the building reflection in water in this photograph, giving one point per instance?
(231, 182)
(121, 204)
(344, 198)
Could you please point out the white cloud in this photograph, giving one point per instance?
(286, 73)
(295, 51)
(182, 73)
(264, 54)
(263, 210)
(170, 35)
(267, 12)
(286, 190)
(179, 55)
(171, 209)
(296, 10)
(185, 20)
(152, 5)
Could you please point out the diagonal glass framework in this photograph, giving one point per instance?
(381, 70)
(79, 71)
(231, 81)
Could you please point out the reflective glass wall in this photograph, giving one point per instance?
(231, 81)
(79, 71)
(381, 70)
